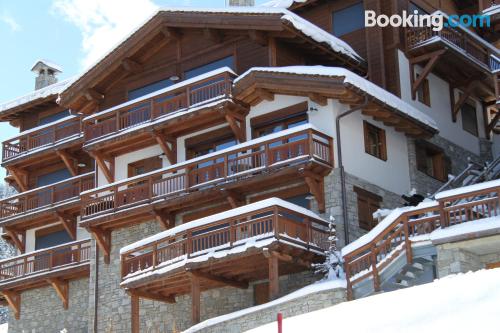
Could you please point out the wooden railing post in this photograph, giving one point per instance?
(307, 222)
(25, 266)
(443, 216)
(189, 241)
(376, 278)
(188, 96)
(51, 259)
(155, 255)
(275, 222)
(232, 233)
(347, 272)
(78, 252)
(409, 254)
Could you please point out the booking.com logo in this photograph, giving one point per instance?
(436, 21)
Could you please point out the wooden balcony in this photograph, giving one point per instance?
(251, 166)
(31, 205)
(54, 266)
(233, 248)
(155, 110)
(43, 138)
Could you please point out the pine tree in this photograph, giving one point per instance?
(332, 267)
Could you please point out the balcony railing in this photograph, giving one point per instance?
(45, 196)
(47, 260)
(255, 156)
(37, 138)
(457, 37)
(223, 234)
(177, 97)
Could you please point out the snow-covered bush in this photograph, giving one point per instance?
(332, 267)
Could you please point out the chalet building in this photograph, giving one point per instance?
(193, 170)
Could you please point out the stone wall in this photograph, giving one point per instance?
(114, 304)
(294, 307)
(42, 310)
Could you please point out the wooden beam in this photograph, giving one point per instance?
(272, 52)
(274, 287)
(103, 239)
(318, 99)
(213, 35)
(433, 58)
(166, 219)
(493, 122)
(93, 95)
(234, 199)
(171, 33)
(219, 279)
(152, 296)
(108, 173)
(238, 128)
(14, 300)
(264, 94)
(131, 66)
(164, 142)
(20, 176)
(195, 299)
(134, 314)
(69, 224)
(259, 37)
(69, 161)
(13, 235)
(62, 289)
(89, 108)
(317, 189)
(463, 98)
(288, 258)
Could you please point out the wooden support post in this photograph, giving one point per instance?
(376, 277)
(108, 173)
(131, 66)
(259, 37)
(13, 235)
(164, 142)
(93, 95)
(455, 107)
(316, 187)
(62, 289)
(264, 94)
(134, 314)
(69, 161)
(20, 176)
(195, 299)
(409, 253)
(238, 127)
(235, 199)
(69, 224)
(432, 58)
(103, 239)
(318, 99)
(165, 219)
(14, 300)
(274, 287)
(153, 297)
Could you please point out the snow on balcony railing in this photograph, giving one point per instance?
(45, 196)
(291, 146)
(45, 260)
(271, 218)
(42, 137)
(180, 96)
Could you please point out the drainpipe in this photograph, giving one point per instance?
(341, 166)
(96, 286)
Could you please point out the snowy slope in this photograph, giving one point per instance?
(458, 303)
(4, 328)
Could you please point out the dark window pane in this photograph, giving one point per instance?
(228, 61)
(348, 19)
(52, 239)
(149, 88)
(469, 118)
(52, 177)
(53, 117)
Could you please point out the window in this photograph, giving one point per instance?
(53, 177)
(368, 203)
(469, 117)
(280, 120)
(51, 236)
(348, 19)
(375, 143)
(423, 93)
(149, 88)
(432, 161)
(53, 117)
(228, 61)
(144, 166)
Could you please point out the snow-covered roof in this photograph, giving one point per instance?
(52, 90)
(461, 303)
(306, 27)
(281, 3)
(352, 79)
(221, 216)
(47, 63)
(468, 189)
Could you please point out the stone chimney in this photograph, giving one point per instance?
(239, 3)
(47, 73)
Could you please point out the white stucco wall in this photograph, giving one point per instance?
(122, 161)
(81, 233)
(440, 109)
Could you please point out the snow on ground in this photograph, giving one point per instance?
(308, 290)
(458, 303)
(468, 189)
(4, 328)
(474, 227)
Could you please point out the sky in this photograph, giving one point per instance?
(71, 33)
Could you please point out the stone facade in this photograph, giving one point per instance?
(42, 310)
(308, 303)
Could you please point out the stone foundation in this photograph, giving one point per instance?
(42, 310)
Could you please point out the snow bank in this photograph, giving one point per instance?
(308, 290)
(221, 216)
(468, 189)
(460, 303)
(473, 227)
(355, 80)
(4, 328)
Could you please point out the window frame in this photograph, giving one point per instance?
(209, 140)
(424, 92)
(155, 162)
(285, 116)
(441, 163)
(472, 104)
(367, 127)
(371, 200)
